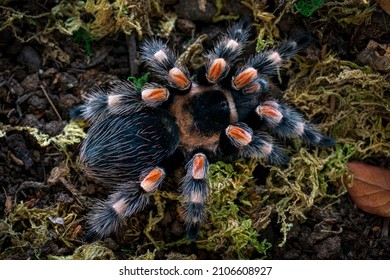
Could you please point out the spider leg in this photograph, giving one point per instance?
(195, 190)
(267, 63)
(258, 86)
(154, 94)
(164, 63)
(288, 123)
(254, 144)
(226, 51)
(122, 99)
(106, 216)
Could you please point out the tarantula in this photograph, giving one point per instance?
(224, 112)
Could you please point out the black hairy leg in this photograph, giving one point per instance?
(286, 122)
(194, 191)
(254, 144)
(128, 199)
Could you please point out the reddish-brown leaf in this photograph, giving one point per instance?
(385, 5)
(370, 188)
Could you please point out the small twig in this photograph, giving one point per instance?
(332, 231)
(132, 49)
(72, 189)
(332, 103)
(51, 102)
(385, 228)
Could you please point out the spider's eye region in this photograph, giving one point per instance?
(224, 105)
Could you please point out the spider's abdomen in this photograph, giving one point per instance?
(118, 148)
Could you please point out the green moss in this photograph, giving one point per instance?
(192, 56)
(82, 36)
(94, 251)
(352, 100)
(167, 24)
(98, 18)
(139, 82)
(307, 8)
(108, 17)
(266, 23)
(30, 230)
(349, 12)
(355, 109)
(219, 16)
(72, 133)
(230, 230)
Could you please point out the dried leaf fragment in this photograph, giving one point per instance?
(8, 205)
(376, 55)
(370, 188)
(385, 5)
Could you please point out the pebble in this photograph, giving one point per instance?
(30, 58)
(376, 55)
(192, 10)
(31, 82)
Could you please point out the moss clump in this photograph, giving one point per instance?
(352, 100)
(138, 83)
(229, 230)
(307, 8)
(94, 251)
(266, 23)
(106, 17)
(72, 133)
(30, 232)
(82, 36)
(354, 106)
(348, 12)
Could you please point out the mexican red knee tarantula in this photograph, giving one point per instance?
(224, 112)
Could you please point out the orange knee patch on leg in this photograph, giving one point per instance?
(199, 167)
(244, 78)
(239, 136)
(178, 78)
(216, 69)
(253, 87)
(153, 179)
(270, 112)
(153, 95)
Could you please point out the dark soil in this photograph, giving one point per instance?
(39, 91)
